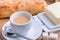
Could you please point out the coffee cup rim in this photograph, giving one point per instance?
(21, 12)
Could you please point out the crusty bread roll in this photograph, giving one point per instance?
(7, 7)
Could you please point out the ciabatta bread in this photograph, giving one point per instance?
(7, 7)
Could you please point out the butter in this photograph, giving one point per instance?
(53, 12)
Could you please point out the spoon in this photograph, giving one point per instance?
(11, 33)
(15, 35)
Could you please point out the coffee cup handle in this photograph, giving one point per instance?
(8, 30)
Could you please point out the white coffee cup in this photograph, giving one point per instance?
(21, 29)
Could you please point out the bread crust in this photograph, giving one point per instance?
(7, 7)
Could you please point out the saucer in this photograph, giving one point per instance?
(33, 33)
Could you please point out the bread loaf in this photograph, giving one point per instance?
(7, 7)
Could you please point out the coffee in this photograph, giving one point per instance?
(21, 19)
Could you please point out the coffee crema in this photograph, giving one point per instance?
(21, 19)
